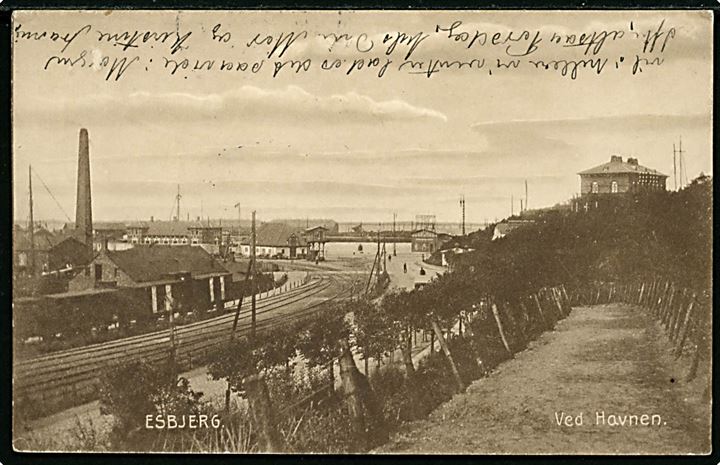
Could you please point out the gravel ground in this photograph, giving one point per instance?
(610, 358)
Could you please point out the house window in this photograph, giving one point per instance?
(614, 187)
(595, 188)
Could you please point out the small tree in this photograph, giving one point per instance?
(243, 363)
(130, 391)
(374, 331)
(328, 338)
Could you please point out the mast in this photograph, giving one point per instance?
(31, 226)
(526, 195)
(462, 204)
(394, 237)
(682, 171)
(177, 199)
(674, 167)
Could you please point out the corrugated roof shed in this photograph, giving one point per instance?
(156, 262)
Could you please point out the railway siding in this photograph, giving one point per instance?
(68, 378)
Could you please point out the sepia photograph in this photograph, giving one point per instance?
(362, 231)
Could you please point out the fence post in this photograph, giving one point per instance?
(642, 290)
(539, 307)
(673, 321)
(557, 302)
(500, 328)
(668, 306)
(685, 327)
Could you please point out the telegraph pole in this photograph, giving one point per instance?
(378, 249)
(462, 205)
(173, 347)
(253, 285)
(32, 225)
(394, 236)
(177, 199)
(674, 167)
(680, 159)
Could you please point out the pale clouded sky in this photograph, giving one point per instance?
(349, 147)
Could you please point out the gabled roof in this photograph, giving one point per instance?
(617, 165)
(316, 228)
(156, 262)
(277, 235)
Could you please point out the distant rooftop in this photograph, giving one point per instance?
(169, 228)
(277, 235)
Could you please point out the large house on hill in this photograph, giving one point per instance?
(618, 177)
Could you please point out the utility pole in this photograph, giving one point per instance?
(682, 170)
(253, 285)
(31, 227)
(384, 253)
(462, 205)
(234, 328)
(177, 198)
(173, 348)
(674, 167)
(378, 249)
(394, 236)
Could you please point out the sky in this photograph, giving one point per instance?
(352, 147)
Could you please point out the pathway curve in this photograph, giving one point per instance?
(610, 360)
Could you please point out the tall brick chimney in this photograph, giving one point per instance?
(83, 203)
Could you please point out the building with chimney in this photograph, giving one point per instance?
(619, 177)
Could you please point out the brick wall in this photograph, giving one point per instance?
(605, 182)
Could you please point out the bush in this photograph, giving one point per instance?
(399, 398)
(130, 391)
(327, 430)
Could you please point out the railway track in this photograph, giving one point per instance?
(71, 377)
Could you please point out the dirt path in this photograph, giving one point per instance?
(609, 359)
